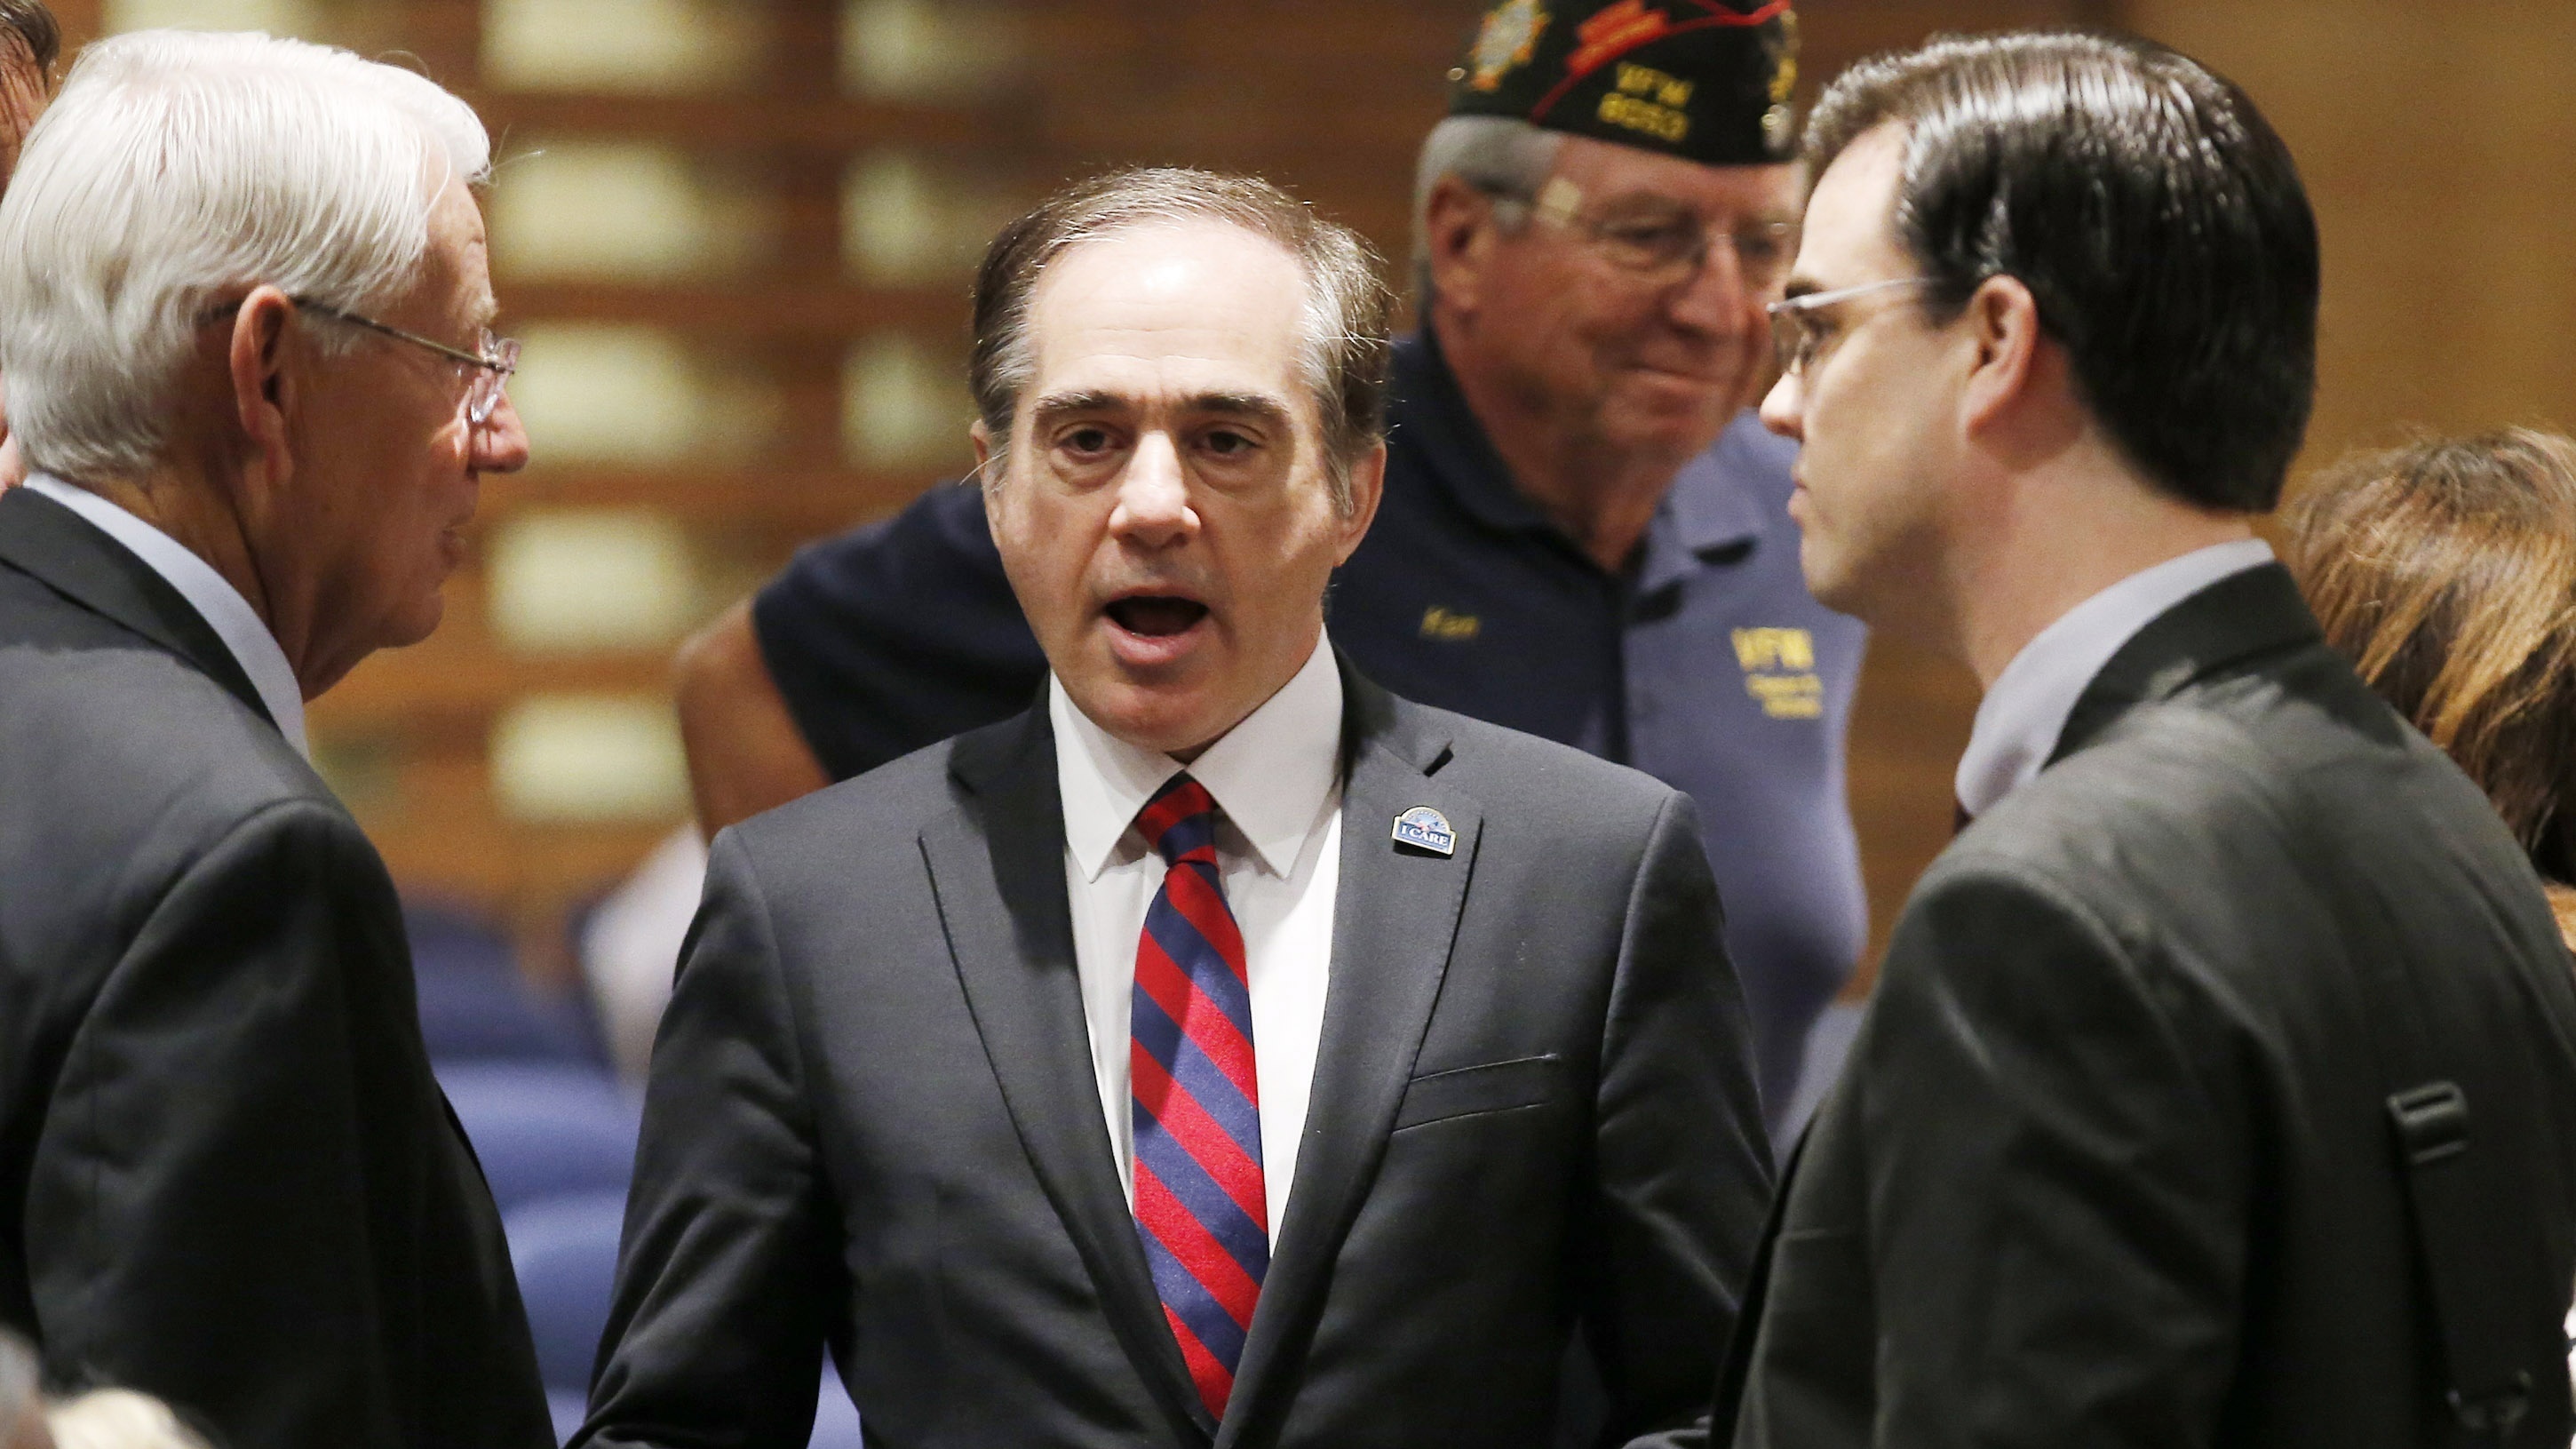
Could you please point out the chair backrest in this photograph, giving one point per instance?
(474, 1003)
(564, 1251)
(544, 1130)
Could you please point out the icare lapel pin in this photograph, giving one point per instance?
(1426, 829)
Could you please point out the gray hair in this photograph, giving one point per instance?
(176, 168)
(1505, 158)
(1348, 308)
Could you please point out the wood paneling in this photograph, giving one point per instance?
(2439, 146)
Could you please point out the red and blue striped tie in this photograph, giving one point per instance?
(1199, 1195)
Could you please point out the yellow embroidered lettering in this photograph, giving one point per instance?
(1449, 626)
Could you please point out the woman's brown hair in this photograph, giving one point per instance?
(2446, 571)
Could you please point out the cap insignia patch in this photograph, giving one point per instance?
(1507, 41)
(1614, 32)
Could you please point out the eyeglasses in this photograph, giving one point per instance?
(498, 357)
(1799, 331)
(492, 363)
(1664, 244)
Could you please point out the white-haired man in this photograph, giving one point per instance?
(244, 318)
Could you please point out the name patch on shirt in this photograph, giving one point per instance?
(1780, 672)
(1448, 626)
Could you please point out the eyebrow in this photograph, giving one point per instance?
(1255, 406)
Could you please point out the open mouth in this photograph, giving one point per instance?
(1156, 616)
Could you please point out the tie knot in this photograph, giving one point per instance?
(1179, 823)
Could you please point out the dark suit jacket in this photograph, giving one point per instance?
(226, 1175)
(873, 1121)
(2110, 1163)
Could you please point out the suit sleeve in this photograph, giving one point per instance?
(241, 1198)
(2054, 1237)
(1683, 1164)
(728, 1270)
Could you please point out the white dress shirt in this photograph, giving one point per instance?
(2021, 717)
(1277, 779)
(216, 601)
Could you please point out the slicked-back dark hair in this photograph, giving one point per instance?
(1348, 306)
(34, 26)
(2154, 215)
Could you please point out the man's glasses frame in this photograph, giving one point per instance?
(1798, 334)
(1661, 255)
(491, 367)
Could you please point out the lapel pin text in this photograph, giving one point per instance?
(1424, 828)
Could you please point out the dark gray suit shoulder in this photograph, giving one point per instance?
(1508, 770)
(2268, 762)
(119, 751)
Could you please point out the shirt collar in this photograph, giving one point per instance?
(2021, 717)
(1714, 511)
(1272, 775)
(216, 601)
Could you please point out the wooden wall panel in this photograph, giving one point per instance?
(79, 20)
(2439, 146)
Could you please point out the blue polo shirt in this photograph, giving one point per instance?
(1705, 664)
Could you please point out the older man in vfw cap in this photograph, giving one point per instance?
(1585, 535)
(244, 315)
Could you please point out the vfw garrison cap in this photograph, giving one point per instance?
(1705, 80)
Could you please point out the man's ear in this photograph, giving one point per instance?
(1367, 488)
(986, 461)
(2003, 325)
(1458, 234)
(266, 391)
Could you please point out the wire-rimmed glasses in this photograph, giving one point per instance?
(1798, 332)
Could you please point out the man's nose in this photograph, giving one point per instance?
(500, 445)
(1153, 496)
(1783, 408)
(1714, 299)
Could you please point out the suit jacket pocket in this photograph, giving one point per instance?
(1494, 1087)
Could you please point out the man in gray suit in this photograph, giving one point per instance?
(1222, 1051)
(2220, 1088)
(243, 303)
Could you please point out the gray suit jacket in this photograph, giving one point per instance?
(873, 1122)
(226, 1174)
(2111, 1162)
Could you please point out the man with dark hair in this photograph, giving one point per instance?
(30, 42)
(1585, 532)
(2220, 1085)
(29, 45)
(1222, 1050)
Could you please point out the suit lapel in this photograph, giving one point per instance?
(66, 553)
(2255, 612)
(1395, 915)
(997, 870)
